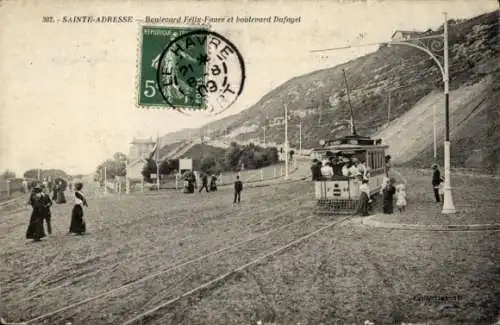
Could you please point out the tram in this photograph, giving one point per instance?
(340, 194)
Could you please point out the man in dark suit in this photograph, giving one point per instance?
(204, 180)
(238, 187)
(436, 180)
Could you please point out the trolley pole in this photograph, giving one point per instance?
(448, 205)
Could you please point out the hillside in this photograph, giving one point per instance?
(318, 99)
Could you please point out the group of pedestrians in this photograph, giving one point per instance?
(204, 183)
(238, 186)
(41, 204)
(190, 185)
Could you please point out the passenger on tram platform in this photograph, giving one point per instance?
(337, 165)
(353, 169)
(346, 166)
(327, 170)
(358, 169)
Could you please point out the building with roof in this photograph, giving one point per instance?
(404, 35)
(139, 151)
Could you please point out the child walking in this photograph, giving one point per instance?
(441, 189)
(401, 197)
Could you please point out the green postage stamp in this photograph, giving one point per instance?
(188, 69)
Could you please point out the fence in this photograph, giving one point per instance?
(247, 176)
(12, 187)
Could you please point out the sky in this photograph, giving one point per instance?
(68, 91)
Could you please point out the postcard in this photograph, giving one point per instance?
(249, 162)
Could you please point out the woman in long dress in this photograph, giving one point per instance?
(364, 198)
(35, 229)
(55, 189)
(388, 197)
(77, 223)
(213, 183)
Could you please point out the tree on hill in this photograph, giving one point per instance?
(45, 173)
(114, 167)
(168, 166)
(8, 174)
(148, 169)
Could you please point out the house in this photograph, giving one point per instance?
(140, 148)
(135, 167)
(138, 152)
(404, 35)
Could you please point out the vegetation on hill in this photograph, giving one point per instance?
(318, 99)
(7, 174)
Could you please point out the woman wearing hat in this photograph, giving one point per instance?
(35, 229)
(78, 225)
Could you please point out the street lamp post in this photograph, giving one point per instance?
(448, 205)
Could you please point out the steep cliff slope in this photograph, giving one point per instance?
(318, 99)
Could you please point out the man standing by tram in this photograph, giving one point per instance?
(315, 170)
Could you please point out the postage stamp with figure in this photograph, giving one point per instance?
(154, 39)
(189, 69)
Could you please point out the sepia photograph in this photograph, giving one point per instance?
(249, 162)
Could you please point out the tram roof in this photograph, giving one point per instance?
(352, 142)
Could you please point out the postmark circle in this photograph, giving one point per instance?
(201, 70)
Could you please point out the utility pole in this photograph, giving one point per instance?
(105, 180)
(157, 161)
(300, 137)
(389, 107)
(286, 141)
(39, 176)
(127, 181)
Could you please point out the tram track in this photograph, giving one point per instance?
(157, 312)
(197, 272)
(279, 215)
